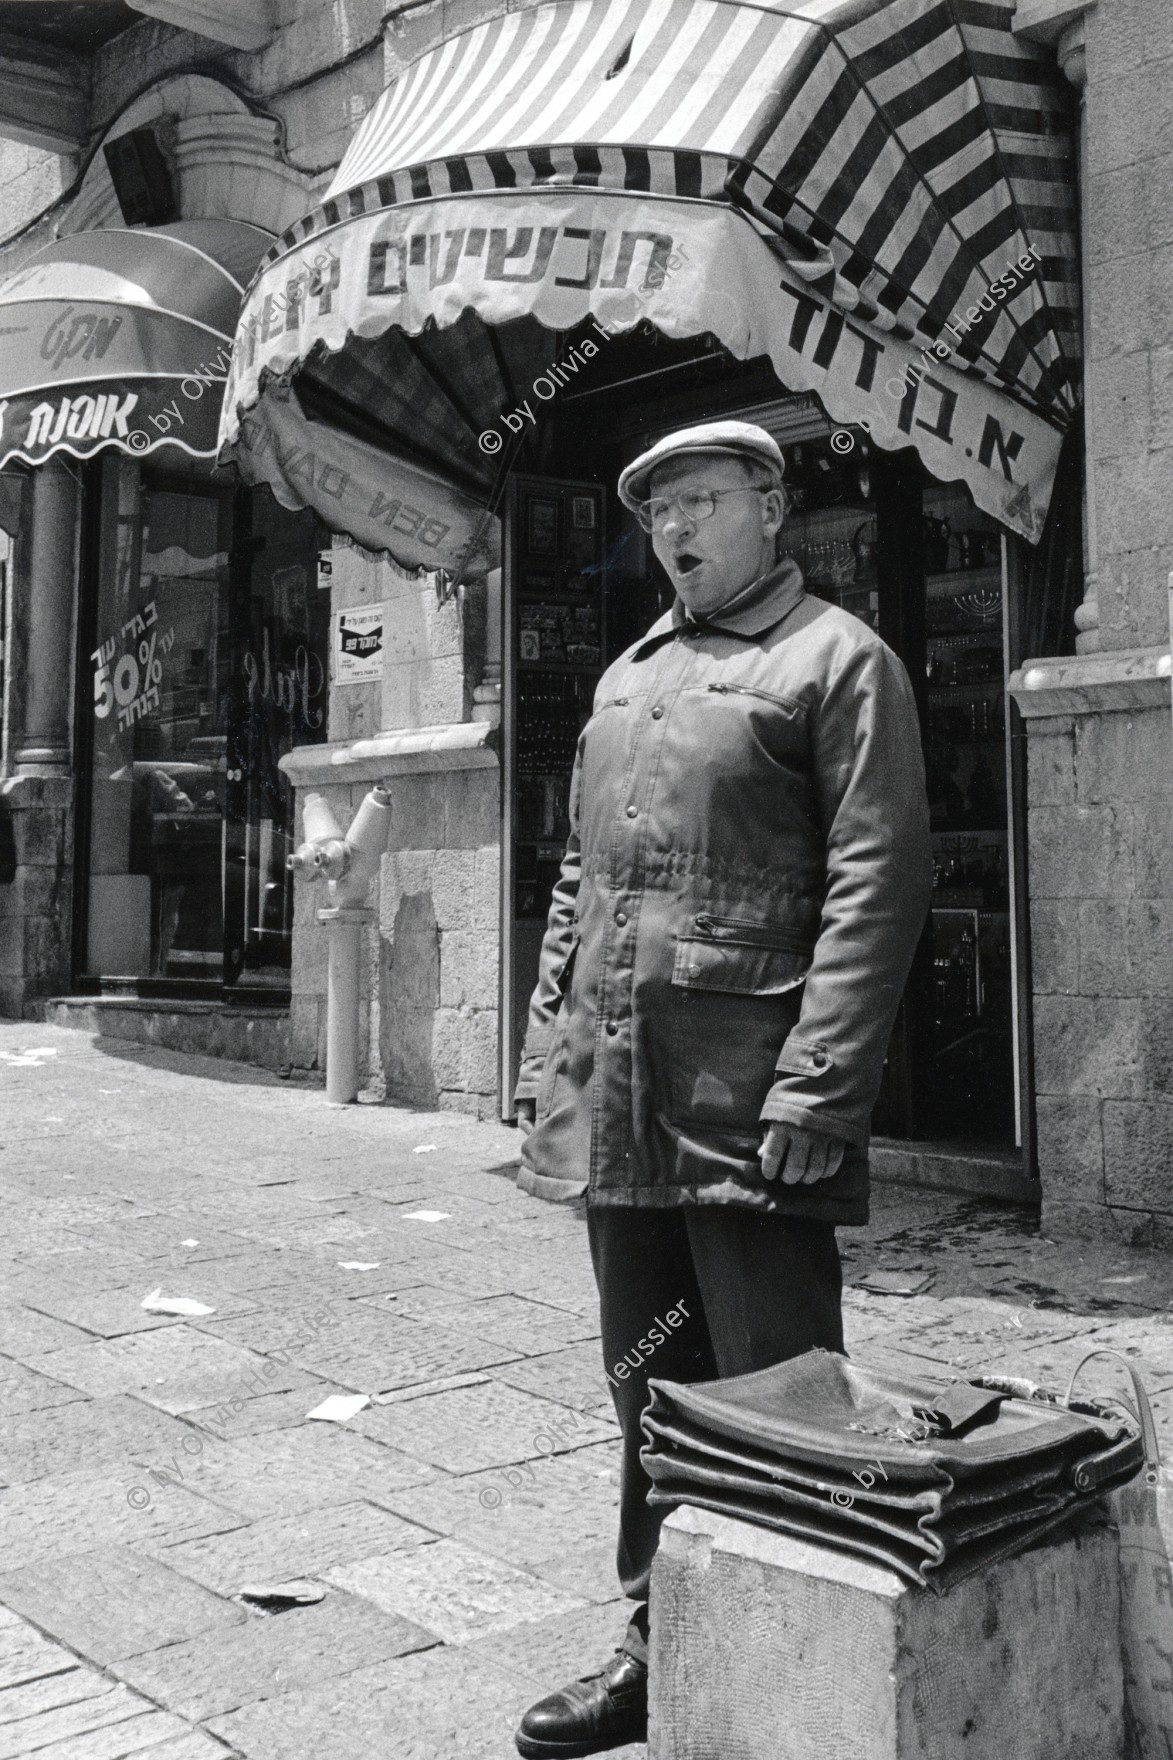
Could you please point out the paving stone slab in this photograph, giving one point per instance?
(436, 1705)
(484, 1425)
(176, 1368)
(279, 1547)
(253, 1416)
(106, 1313)
(377, 1353)
(26, 1390)
(25, 1335)
(531, 1327)
(283, 1471)
(112, 1602)
(73, 1705)
(573, 1377)
(451, 1589)
(152, 1735)
(26, 1655)
(72, 1512)
(558, 1523)
(543, 1656)
(970, 1333)
(86, 1434)
(303, 1647)
(1146, 1341)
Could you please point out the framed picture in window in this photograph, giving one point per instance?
(541, 525)
(582, 513)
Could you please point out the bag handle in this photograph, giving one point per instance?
(1143, 1413)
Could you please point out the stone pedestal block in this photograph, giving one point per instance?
(766, 1648)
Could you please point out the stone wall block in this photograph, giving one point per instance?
(1090, 1046)
(1152, 853)
(481, 1055)
(1161, 386)
(1071, 1148)
(1103, 950)
(1080, 854)
(424, 693)
(448, 1055)
(1051, 764)
(1054, 942)
(1124, 757)
(453, 887)
(303, 1032)
(1156, 1044)
(1123, 403)
(1133, 501)
(1118, 212)
(472, 808)
(1138, 1154)
(487, 887)
(1132, 603)
(1150, 944)
(417, 812)
(1121, 296)
(468, 968)
(313, 951)
(1115, 109)
(402, 874)
(355, 711)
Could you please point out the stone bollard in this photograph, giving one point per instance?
(769, 1648)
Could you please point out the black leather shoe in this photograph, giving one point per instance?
(600, 1711)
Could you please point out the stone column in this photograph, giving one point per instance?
(41, 742)
(36, 800)
(1071, 51)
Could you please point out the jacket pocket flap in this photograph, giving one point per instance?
(798, 1057)
(741, 966)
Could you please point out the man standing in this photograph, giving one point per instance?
(747, 874)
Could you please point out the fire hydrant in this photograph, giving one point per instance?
(348, 865)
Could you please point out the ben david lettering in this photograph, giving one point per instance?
(83, 417)
(298, 463)
(825, 343)
(78, 336)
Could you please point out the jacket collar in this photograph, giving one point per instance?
(751, 612)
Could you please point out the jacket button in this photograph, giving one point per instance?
(612, 1027)
(632, 811)
(657, 712)
(621, 918)
(820, 1059)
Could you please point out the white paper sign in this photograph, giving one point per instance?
(358, 644)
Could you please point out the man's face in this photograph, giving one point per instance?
(710, 560)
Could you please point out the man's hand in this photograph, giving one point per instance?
(526, 1113)
(801, 1157)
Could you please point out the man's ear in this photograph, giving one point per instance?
(773, 510)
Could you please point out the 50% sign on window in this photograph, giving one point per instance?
(132, 683)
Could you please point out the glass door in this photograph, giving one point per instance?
(206, 664)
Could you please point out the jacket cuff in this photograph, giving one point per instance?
(781, 1108)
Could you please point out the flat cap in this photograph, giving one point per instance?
(743, 439)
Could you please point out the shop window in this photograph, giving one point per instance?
(206, 664)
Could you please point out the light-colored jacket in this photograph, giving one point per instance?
(747, 875)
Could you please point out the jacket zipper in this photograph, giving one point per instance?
(747, 690)
(757, 934)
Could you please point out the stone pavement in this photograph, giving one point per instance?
(462, 1525)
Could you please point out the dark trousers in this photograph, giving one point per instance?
(753, 1289)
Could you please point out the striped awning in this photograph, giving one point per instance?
(875, 194)
(122, 337)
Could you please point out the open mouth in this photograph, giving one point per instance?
(686, 561)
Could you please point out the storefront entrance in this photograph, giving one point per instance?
(203, 661)
(874, 534)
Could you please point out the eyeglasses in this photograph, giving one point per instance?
(694, 504)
